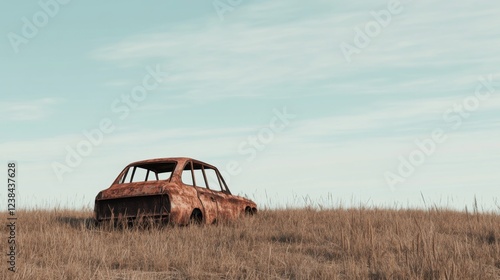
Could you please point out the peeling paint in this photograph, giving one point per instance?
(170, 199)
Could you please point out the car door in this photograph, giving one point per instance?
(228, 207)
(193, 175)
(210, 205)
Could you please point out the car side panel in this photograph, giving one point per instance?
(183, 199)
(232, 207)
(210, 205)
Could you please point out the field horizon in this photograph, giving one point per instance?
(307, 243)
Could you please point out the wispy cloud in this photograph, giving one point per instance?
(246, 58)
(355, 118)
(32, 110)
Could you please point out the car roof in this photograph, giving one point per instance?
(169, 159)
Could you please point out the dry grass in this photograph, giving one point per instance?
(275, 244)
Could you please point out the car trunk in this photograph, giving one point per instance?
(154, 206)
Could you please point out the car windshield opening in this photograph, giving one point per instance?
(145, 172)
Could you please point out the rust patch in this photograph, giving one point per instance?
(175, 190)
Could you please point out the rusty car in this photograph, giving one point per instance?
(175, 191)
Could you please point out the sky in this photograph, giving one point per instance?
(319, 103)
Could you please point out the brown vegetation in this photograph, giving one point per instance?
(275, 244)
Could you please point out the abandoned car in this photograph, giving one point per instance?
(171, 190)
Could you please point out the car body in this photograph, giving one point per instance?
(172, 190)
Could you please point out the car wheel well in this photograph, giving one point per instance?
(196, 216)
(250, 211)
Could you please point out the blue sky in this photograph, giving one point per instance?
(227, 67)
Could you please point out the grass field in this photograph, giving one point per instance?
(275, 244)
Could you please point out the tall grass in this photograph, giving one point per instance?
(275, 244)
